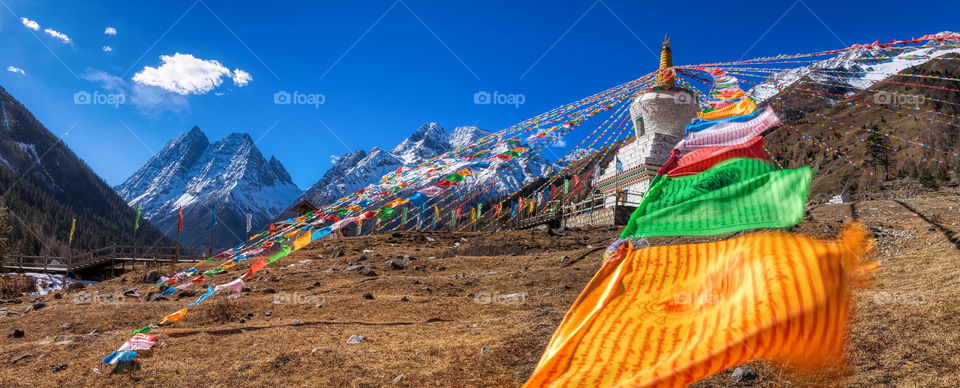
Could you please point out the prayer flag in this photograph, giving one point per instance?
(180, 219)
(136, 219)
(668, 316)
(733, 195)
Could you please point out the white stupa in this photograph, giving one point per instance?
(659, 115)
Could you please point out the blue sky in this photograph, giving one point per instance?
(383, 68)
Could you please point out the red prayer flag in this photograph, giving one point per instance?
(255, 267)
(180, 220)
(702, 159)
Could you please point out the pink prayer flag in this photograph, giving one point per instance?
(431, 191)
(236, 285)
(729, 133)
(140, 341)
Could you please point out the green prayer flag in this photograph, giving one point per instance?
(566, 186)
(455, 177)
(279, 255)
(136, 219)
(214, 271)
(341, 212)
(734, 195)
(385, 213)
(145, 330)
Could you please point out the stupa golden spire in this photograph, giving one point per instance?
(666, 61)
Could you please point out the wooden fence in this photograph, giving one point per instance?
(113, 254)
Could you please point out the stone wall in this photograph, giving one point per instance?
(614, 215)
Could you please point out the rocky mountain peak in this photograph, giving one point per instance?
(193, 173)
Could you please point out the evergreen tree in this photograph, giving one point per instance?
(878, 153)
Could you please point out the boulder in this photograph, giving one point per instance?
(150, 277)
(742, 374)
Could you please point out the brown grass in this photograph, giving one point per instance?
(14, 286)
(905, 332)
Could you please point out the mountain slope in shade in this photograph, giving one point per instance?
(45, 185)
(230, 175)
(876, 166)
(358, 169)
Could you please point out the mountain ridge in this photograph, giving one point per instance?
(229, 175)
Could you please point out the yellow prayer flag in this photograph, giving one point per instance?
(302, 240)
(73, 228)
(227, 264)
(668, 316)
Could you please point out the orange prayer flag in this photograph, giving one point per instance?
(175, 317)
(668, 316)
(743, 107)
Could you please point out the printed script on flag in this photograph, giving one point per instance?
(668, 316)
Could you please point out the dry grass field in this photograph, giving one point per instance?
(448, 319)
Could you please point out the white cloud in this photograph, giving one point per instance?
(334, 159)
(107, 49)
(185, 74)
(57, 34)
(17, 70)
(110, 31)
(30, 24)
(241, 78)
(560, 143)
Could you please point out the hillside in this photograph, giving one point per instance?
(45, 185)
(449, 319)
(876, 136)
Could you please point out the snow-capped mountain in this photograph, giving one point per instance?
(229, 174)
(358, 169)
(855, 69)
